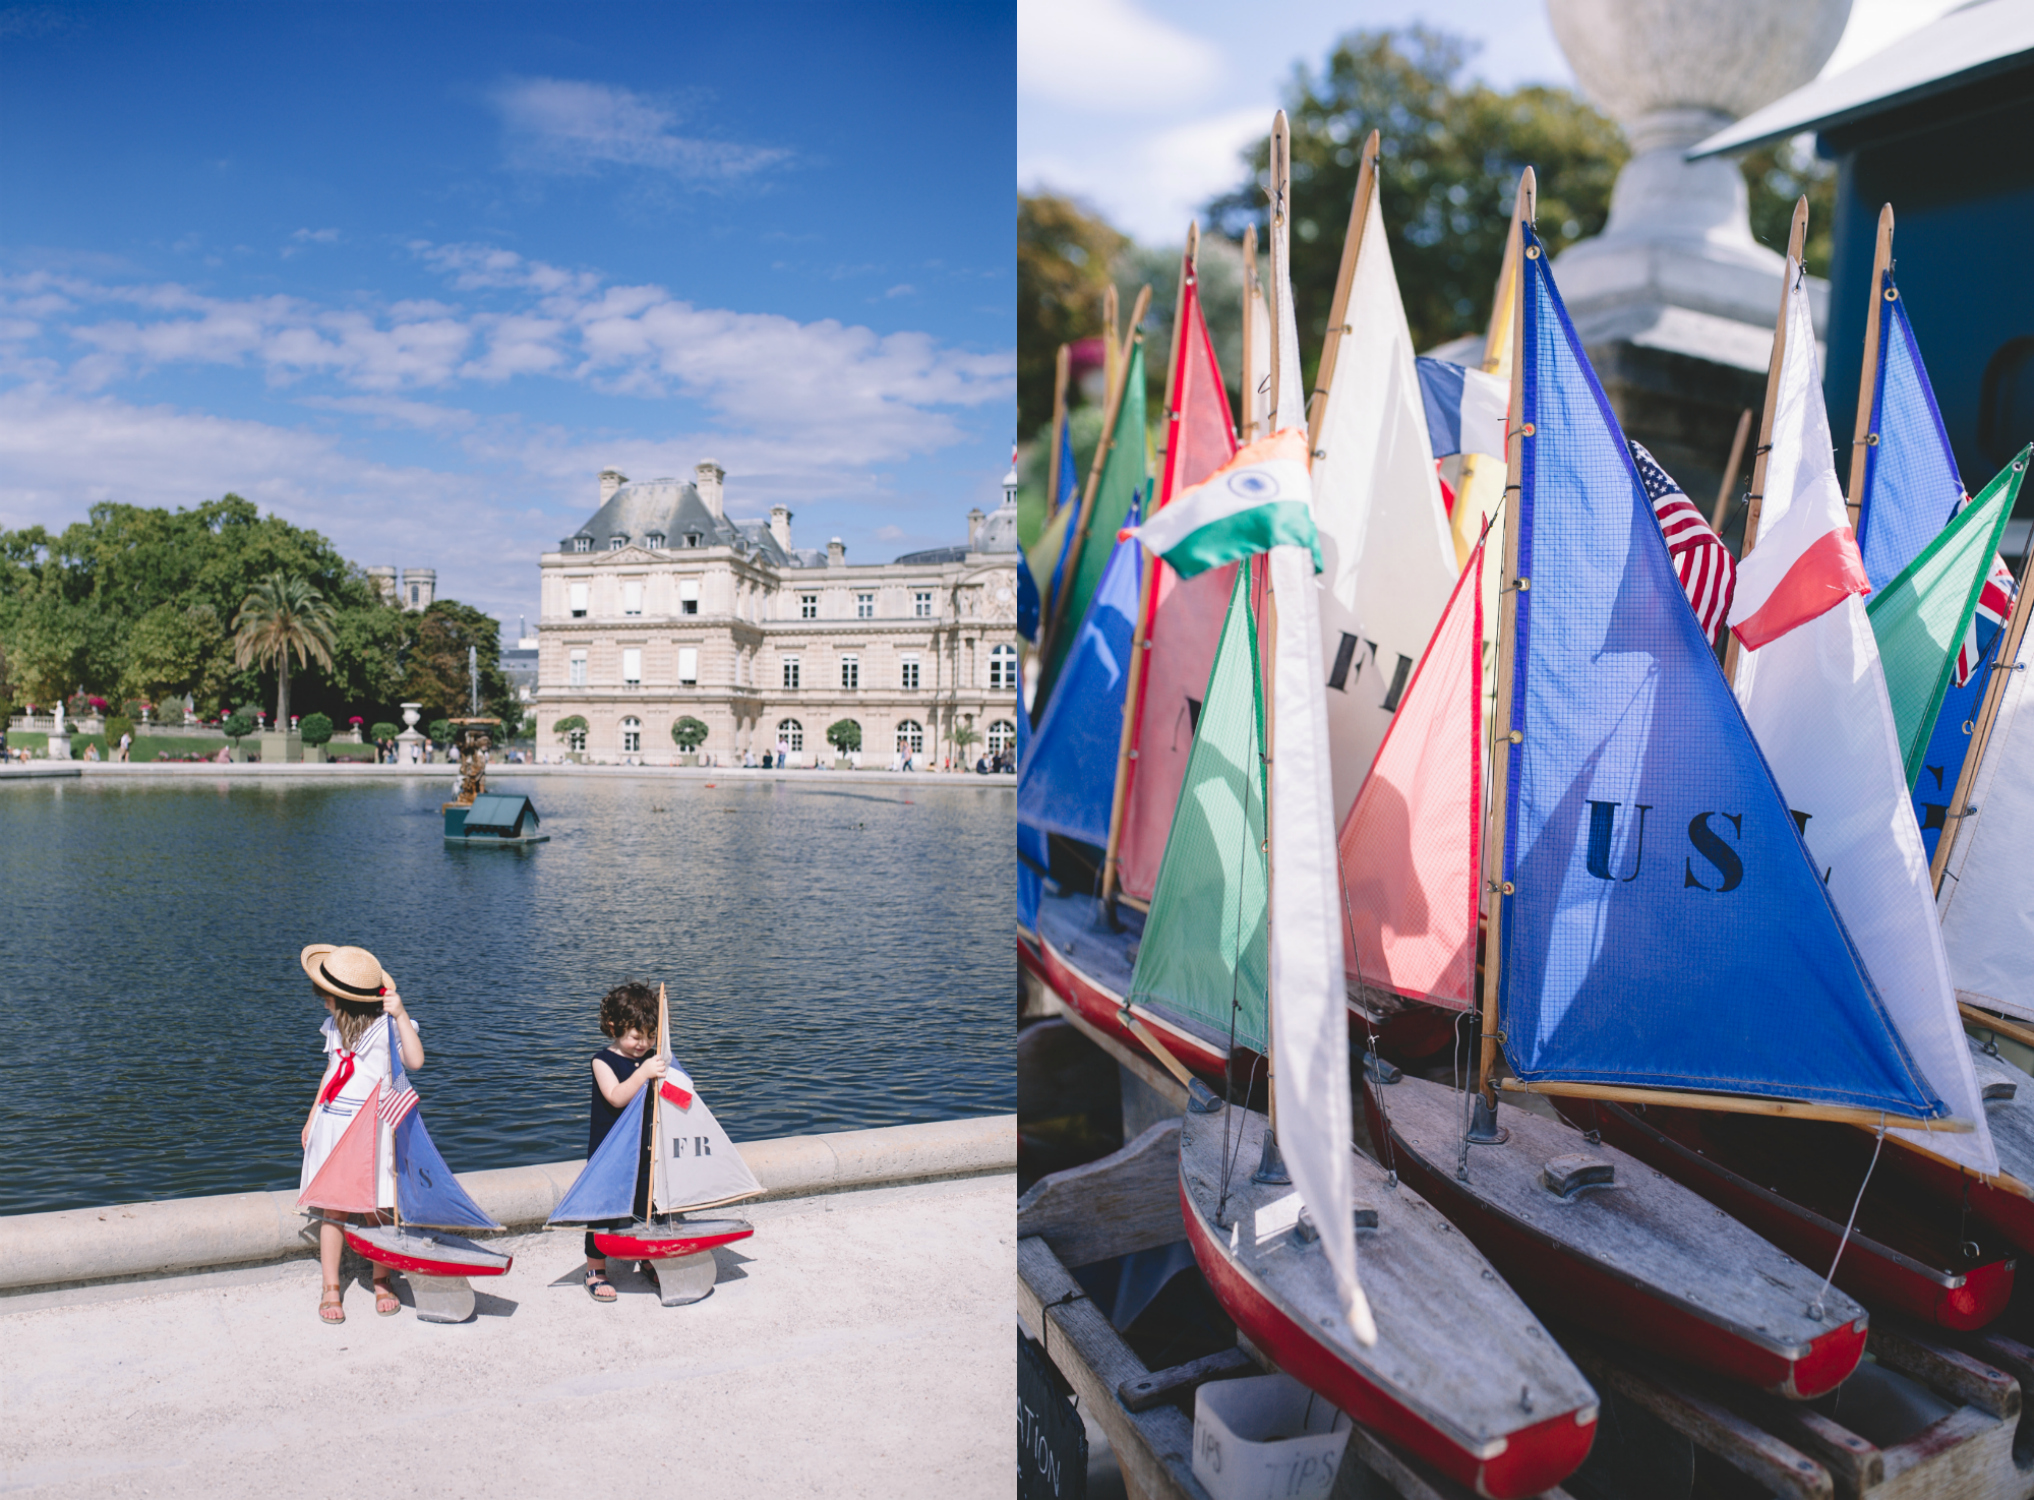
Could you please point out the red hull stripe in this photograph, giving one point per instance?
(628, 1247)
(1099, 1007)
(1532, 1459)
(1820, 579)
(424, 1266)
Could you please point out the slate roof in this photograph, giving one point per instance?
(672, 509)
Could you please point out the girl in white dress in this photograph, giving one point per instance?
(358, 993)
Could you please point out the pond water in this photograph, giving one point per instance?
(837, 957)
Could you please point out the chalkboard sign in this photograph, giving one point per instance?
(1052, 1445)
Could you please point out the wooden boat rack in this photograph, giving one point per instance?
(1738, 1440)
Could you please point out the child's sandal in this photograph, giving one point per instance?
(598, 1287)
(386, 1303)
(328, 1304)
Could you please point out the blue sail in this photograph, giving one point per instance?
(426, 1191)
(1066, 779)
(1911, 487)
(1949, 741)
(1667, 928)
(606, 1185)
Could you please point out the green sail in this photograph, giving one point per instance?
(1919, 618)
(1205, 958)
(1125, 474)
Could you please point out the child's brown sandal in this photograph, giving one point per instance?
(331, 1302)
(385, 1294)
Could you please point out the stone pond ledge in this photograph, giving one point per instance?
(48, 1252)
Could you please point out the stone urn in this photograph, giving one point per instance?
(1671, 73)
(410, 743)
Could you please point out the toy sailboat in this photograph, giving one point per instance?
(429, 1202)
(1657, 933)
(692, 1165)
(1430, 1347)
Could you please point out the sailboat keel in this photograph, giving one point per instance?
(441, 1299)
(685, 1279)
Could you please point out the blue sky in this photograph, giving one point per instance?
(412, 274)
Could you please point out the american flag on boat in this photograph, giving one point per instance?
(1995, 603)
(397, 1102)
(1707, 571)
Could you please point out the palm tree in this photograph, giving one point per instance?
(282, 615)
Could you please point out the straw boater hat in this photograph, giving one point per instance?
(346, 973)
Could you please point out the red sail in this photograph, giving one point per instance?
(1413, 839)
(1183, 618)
(345, 1180)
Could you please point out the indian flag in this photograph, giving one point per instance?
(1260, 499)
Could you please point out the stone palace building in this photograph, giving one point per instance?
(662, 607)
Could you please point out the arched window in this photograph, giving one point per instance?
(1002, 737)
(1003, 669)
(911, 737)
(632, 736)
(792, 733)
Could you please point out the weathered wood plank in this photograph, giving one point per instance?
(1968, 1455)
(1154, 1449)
(1129, 1200)
(1772, 1462)
(1856, 1464)
(1169, 1385)
(1957, 1376)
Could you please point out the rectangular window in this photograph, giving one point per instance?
(632, 598)
(579, 600)
(865, 606)
(850, 672)
(582, 544)
(688, 596)
(921, 604)
(791, 672)
(808, 606)
(616, 543)
(908, 674)
(688, 666)
(632, 666)
(576, 671)
(575, 739)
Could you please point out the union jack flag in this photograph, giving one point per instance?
(1707, 571)
(1995, 603)
(397, 1103)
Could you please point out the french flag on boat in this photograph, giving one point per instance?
(1807, 563)
(1466, 408)
(1262, 498)
(676, 1087)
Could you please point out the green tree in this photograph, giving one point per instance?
(381, 730)
(1775, 177)
(570, 724)
(688, 733)
(439, 731)
(280, 617)
(176, 649)
(437, 674)
(1063, 259)
(239, 724)
(1451, 154)
(963, 736)
(844, 735)
(316, 729)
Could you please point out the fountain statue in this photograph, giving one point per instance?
(59, 739)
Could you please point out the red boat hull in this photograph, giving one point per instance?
(1101, 1008)
(1529, 1461)
(426, 1265)
(1571, 1287)
(1963, 1301)
(2008, 1213)
(633, 1247)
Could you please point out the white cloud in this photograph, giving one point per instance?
(575, 128)
(1108, 55)
(1151, 183)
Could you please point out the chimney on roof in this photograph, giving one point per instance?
(974, 527)
(610, 481)
(836, 553)
(780, 525)
(706, 478)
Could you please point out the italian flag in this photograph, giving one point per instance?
(1262, 498)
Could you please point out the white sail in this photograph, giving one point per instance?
(1987, 900)
(1309, 1004)
(1816, 701)
(696, 1165)
(1390, 562)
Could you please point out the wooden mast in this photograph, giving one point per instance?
(1755, 501)
(1497, 338)
(1140, 643)
(2006, 651)
(1494, 885)
(1071, 569)
(1061, 364)
(1730, 472)
(1247, 423)
(1338, 309)
(657, 1101)
(1867, 381)
(1267, 645)
(1109, 351)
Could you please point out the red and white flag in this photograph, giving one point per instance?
(1806, 562)
(1995, 602)
(1707, 571)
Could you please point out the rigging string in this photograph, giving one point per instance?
(1229, 1155)
(1816, 1307)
